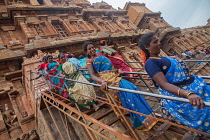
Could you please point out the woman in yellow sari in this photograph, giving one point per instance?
(71, 72)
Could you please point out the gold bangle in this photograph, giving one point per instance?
(184, 94)
(189, 94)
(88, 63)
(179, 91)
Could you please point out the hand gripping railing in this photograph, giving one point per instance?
(207, 104)
(161, 120)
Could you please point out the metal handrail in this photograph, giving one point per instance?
(144, 73)
(207, 104)
(182, 60)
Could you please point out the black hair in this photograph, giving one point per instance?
(44, 58)
(85, 47)
(81, 57)
(145, 41)
(49, 56)
(69, 56)
(63, 51)
(102, 43)
(59, 55)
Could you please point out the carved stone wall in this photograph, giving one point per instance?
(174, 41)
(49, 25)
(193, 39)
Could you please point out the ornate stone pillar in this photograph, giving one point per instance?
(120, 25)
(66, 26)
(25, 29)
(94, 23)
(71, 28)
(86, 26)
(50, 27)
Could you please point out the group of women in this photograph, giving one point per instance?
(170, 74)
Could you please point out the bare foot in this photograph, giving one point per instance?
(95, 107)
(155, 132)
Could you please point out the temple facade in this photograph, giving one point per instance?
(30, 29)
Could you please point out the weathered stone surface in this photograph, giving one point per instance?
(65, 25)
(43, 128)
(8, 28)
(2, 47)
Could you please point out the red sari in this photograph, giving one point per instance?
(119, 63)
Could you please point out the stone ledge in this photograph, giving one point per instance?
(166, 31)
(7, 54)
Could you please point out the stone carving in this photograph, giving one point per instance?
(78, 25)
(48, 27)
(9, 117)
(33, 135)
(131, 54)
(38, 29)
(25, 137)
(8, 28)
(14, 94)
(39, 56)
(24, 114)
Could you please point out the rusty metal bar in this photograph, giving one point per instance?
(65, 125)
(56, 125)
(69, 126)
(84, 119)
(92, 120)
(161, 120)
(145, 83)
(199, 69)
(196, 60)
(184, 127)
(109, 96)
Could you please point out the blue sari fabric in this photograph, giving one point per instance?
(75, 62)
(55, 83)
(82, 63)
(130, 101)
(186, 113)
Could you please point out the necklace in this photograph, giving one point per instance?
(154, 58)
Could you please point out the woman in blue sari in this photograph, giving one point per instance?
(174, 79)
(52, 69)
(106, 75)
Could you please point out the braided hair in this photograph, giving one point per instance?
(145, 41)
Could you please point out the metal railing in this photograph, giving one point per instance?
(207, 104)
(144, 73)
(142, 93)
(182, 60)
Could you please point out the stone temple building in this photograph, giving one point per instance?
(30, 29)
